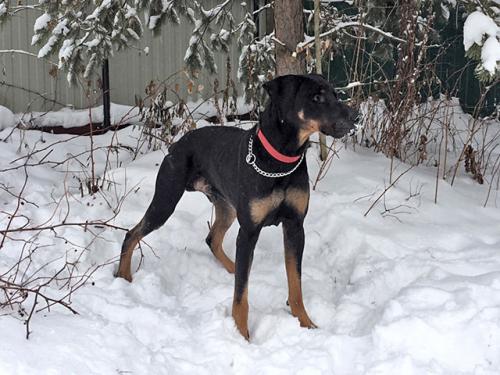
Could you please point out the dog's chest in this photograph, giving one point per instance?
(270, 209)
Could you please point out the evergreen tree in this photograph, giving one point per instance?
(83, 33)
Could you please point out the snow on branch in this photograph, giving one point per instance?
(7, 9)
(200, 51)
(308, 40)
(481, 42)
(22, 52)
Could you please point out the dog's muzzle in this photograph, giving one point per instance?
(342, 126)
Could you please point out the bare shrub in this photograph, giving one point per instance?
(33, 277)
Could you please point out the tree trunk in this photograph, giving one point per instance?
(323, 152)
(289, 30)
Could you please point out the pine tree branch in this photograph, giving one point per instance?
(22, 52)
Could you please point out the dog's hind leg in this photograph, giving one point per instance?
(224, 217)
(132, 238)
(170, 185)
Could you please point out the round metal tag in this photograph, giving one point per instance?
(250, 159)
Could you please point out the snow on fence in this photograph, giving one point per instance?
(27, 82)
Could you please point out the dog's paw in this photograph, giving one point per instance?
(307, 323)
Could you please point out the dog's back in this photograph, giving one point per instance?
(212, 155)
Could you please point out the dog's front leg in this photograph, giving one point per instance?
(245, 245)
(293, 236)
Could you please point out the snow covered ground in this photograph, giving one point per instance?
(119, 115)
(411, 290)
(6, 118)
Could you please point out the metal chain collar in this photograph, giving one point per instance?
(251, 159)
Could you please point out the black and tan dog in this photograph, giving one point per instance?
(257, 176)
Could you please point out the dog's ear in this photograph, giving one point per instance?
(287, 85)
(272, 87)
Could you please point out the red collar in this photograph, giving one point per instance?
(273, 152)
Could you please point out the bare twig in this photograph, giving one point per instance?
(386, 190)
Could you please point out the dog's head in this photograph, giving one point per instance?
(310, 103)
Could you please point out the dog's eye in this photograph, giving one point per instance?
(318, 98)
